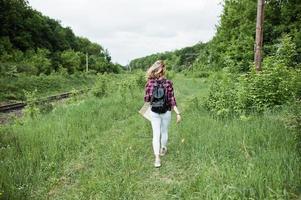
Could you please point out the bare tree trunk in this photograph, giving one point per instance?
(259, 35)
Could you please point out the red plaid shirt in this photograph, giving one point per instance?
(171, 100)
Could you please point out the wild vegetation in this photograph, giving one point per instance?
(35, 49)
(34, 44)
(233, 44)
(178, 59)
(240, 137)
(236, 89)
(15, 88)
(98, 147)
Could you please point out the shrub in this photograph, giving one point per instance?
(70, 60)
(272, 87)
(170, 74)
(100, 87)
(286, 51)
(276, 85)
(40, 61)
(31, 109)
(140, 79)
(222, 94)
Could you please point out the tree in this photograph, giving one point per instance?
(70, 61)
(25, 29)
(40, 61)
(286, 51)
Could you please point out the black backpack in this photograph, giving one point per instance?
(158, 99)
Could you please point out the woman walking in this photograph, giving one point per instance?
(159, 92)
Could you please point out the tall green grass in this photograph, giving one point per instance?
(12, 88)
(100, 148)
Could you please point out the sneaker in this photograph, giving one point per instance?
(163, 151)
(157, 163)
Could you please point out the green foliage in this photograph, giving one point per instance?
(12, 88)
(177, 60)
(277, 84)
(100, 87)
(286, 51)
(40, 61)
(8, 70)
(25, 28)
(233, 44)
(292, 121)
(5, 45)
(274, 86)
(86, 46)
(102, 65)
(170, 74)
(140, 79)
(87, 148)
(222, 96)
(107, 84)
(37, 44)
(32, 110)
(70, 60)
(35, 105)
(128, 86)
(197, 70)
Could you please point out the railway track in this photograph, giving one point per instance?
(11, 107)
(20, 105)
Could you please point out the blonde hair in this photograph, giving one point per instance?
(156, 71)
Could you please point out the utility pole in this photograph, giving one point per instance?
(259, 35)
(87, 63)
(129, 66)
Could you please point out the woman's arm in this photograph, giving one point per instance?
(173, 102)
(179, 118)
(175, 108)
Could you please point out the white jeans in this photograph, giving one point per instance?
(160, 123)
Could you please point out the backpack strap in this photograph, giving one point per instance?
(155, 85)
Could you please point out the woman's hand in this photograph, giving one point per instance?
(179, 118)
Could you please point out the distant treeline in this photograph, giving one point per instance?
(233, 44)
(178, 59)
(34, 44)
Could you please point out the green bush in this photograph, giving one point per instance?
(274, 86)
(222, 94)
(140, 79)
(286, 51)
(100, 87)
(32, 110)
(71, 60)
(170, 74)
(277, 84)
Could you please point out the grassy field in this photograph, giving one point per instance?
(100, 148)
(12, 88)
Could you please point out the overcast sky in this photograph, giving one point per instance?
(134, 28)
